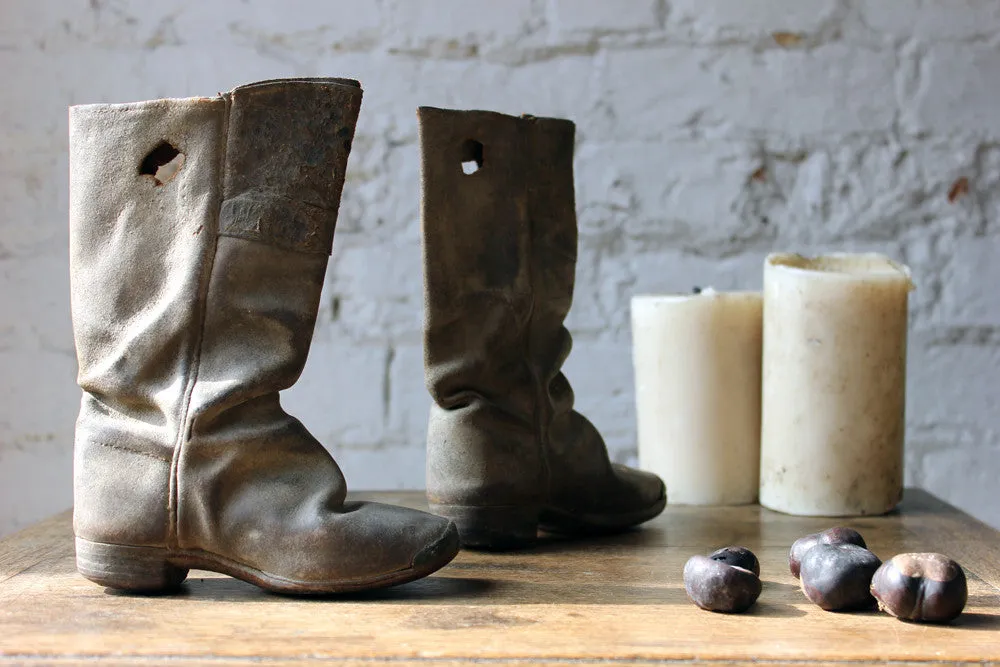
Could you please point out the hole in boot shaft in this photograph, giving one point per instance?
(162, 163)
(472, 156)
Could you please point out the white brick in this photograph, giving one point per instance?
(831, 90)
(340, 394)
(93, 76)
(719, 20)
(39, 400)
(603, 276)
(22, 424)
(572, 16)
(55, 26)
(971, 283)
(409, 401)
(525, 89)
(36, 310)
(602, 379)
(457, 24)
(375, 289)
(58, 27)
(382, 271)
(381, 195)
(291, 25)
(952, 386)
(387, 468)
(862, 187)
(932, 20)
(674, 272)
(34, 196)
(957, 92)
(965, 475)
(364, 320)
(395, 85)
(690, 190)
(35, 483)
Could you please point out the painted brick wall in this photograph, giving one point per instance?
(710, 132)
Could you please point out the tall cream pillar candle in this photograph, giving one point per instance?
(697, 365)
(834, 384)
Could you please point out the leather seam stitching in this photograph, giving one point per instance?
(542, 412)
(284, 246)
(173, 497)
(129, 450)
(110, 408)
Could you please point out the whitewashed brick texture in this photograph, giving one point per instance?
(709, 133)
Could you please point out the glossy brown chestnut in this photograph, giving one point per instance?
(838, 577)
(925, 587)
(718, 586)
(838, 535)
(738, 556)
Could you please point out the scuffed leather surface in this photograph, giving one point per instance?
(495, 347)
(139, 254)
(483, 439)
(281, 188)
(190, 318)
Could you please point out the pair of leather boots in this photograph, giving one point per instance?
(200, 234)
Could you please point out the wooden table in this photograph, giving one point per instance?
(608, 600)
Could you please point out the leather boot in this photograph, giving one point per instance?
(200, 231)
(507, 454)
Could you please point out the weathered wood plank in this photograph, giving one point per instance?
(600, 600)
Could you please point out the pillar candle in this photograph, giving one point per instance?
(697, 365)
(833, 384)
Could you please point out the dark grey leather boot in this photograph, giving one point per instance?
(506, 453)
(200, 231)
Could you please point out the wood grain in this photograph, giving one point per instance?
(613, 599)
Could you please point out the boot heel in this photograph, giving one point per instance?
(135, 569)
(492, 528)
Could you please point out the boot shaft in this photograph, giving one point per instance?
(500, 250)
(499, 262)
(287, 144)
(139, 247)
(506, 452)
(200, 231)
(263, 163)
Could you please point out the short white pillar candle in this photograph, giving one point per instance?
(697, 362)
(834, 384)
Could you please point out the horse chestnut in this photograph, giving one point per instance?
(738, 556)
(716, 585)
(838, 577)
(839, 535)
(924, 587)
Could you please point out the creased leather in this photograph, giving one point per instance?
(194, 303)
(280, 189)
(139, 254)
(500, 249)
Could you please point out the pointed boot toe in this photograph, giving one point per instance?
(438, 553)
(634, 497)
(410, 544)
(643, 490)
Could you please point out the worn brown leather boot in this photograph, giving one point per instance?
(199, 236)
(506, 453)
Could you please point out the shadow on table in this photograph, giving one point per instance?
(770, 609)
(476, 591)
(976, 621)
(443, 590)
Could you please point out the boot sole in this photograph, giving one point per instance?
(153, 570)
(509, 527)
